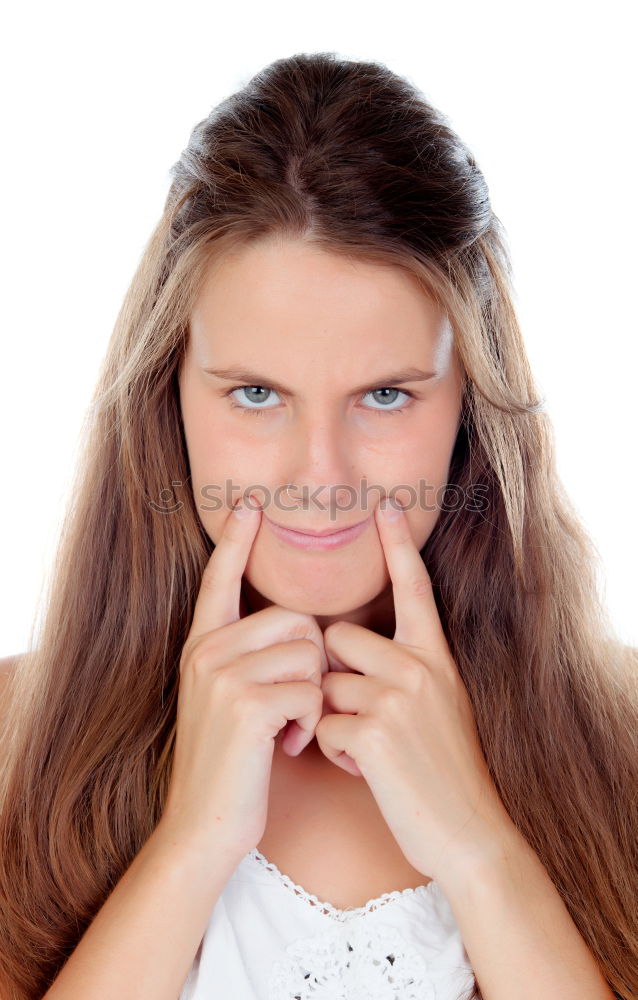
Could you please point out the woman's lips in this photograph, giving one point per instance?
(323, 542)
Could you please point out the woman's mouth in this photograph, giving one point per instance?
(332, 540)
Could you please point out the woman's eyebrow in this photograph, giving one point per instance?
(254, 378)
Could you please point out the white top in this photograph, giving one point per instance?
(268, 939)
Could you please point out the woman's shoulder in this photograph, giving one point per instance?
(7, 663)
(7, 666)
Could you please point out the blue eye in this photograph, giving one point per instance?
(258, 399)
(376, 392)
(261, 389)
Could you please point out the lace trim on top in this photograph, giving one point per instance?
(328, 908)
(359, 961)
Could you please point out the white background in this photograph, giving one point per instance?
(99, 101)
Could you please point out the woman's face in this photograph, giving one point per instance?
(331, 334)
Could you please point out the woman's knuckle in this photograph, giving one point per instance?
(311, 650)
(246, 706)
(191, 655)
(374, 734)
(298, 629)
(201, 658)
(390, 700)
(414, 675)
(224, 679)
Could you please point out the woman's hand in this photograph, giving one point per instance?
(242, 679)
(405, 722)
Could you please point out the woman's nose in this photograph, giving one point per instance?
(321, 456)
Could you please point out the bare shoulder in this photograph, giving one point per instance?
(7, 663)
(7, 666)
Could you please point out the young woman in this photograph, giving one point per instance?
(322, 749)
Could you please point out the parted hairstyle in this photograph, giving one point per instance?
(352, 159)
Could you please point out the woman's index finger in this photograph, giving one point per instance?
(220, 588)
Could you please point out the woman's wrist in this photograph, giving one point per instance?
(192, 853)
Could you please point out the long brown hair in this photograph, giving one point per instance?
(353, 159)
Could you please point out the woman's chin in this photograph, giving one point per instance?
(321, 597)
